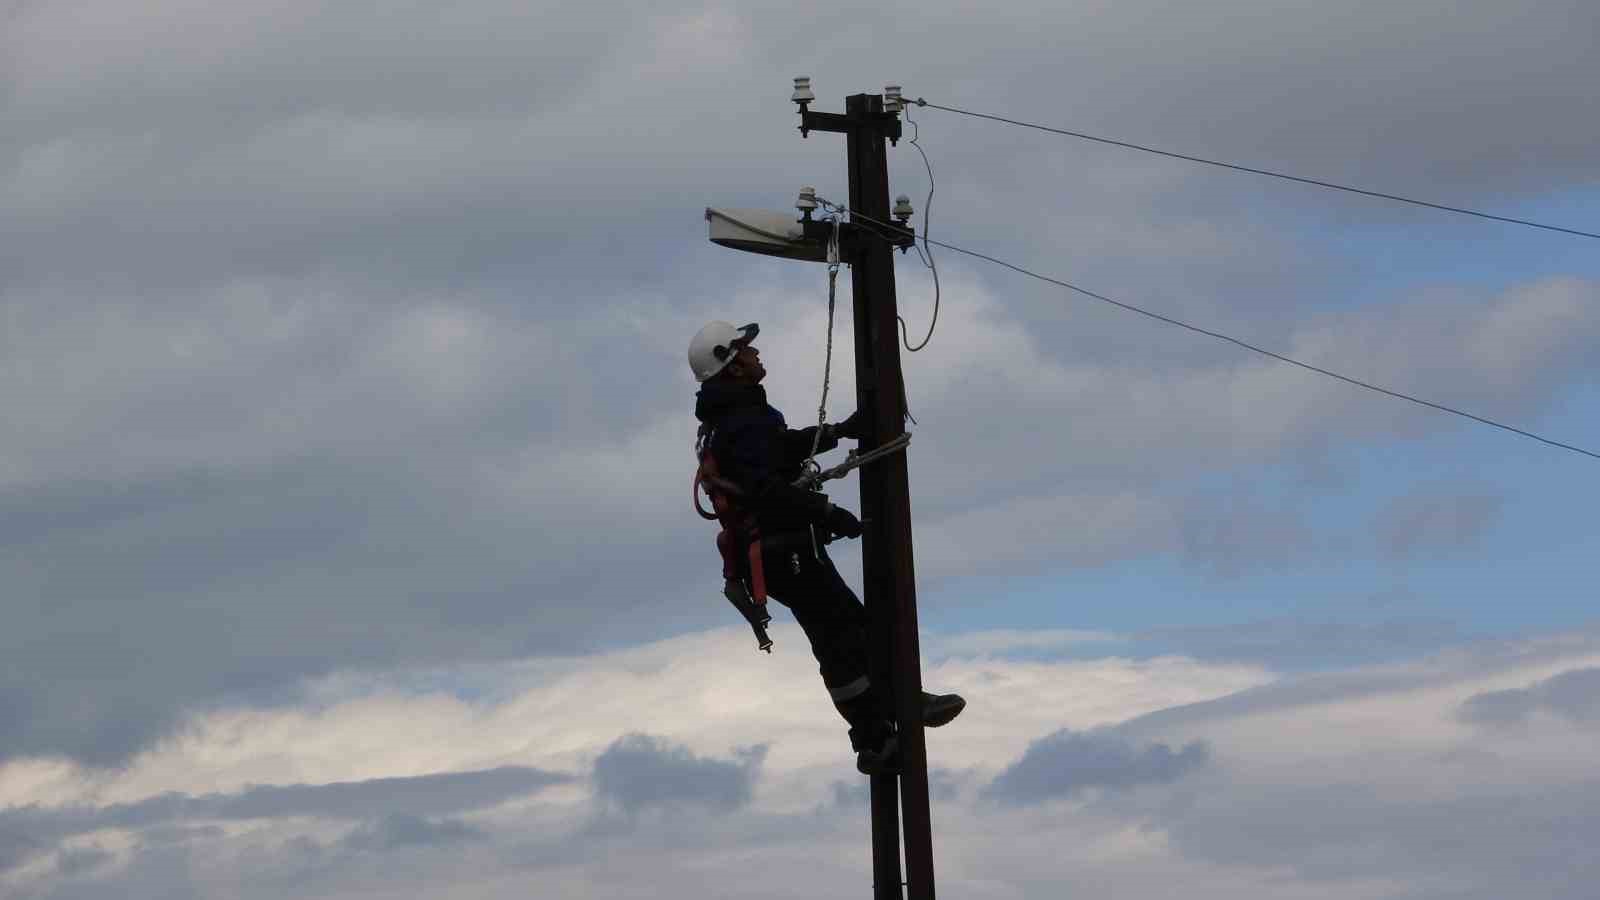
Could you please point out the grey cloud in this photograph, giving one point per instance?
(1453, 664)
(321, 139)
(1230, 411)
(1232, 533)
(213, 234)
(165, 872)
(1499, 841)
(422, 794)
(80, 860)
(315, 137)
(182, 592)
(1435, 522)
(562, 856)
(1068, 763)
(362, 508)
(850, 793)
(1275, 83)
(18, 841)
(1573, 695)
(399, 830)
(162, 835)
(1296, 643)
(639, 772)
(397, 804)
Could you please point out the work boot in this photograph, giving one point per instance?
(885, 760)
(940, 709)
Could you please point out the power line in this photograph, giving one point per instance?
(1254, 171)
(1248, 346)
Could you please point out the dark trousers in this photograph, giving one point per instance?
(835, 623)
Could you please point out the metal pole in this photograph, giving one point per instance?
(889, 579)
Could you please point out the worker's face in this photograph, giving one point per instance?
(747, 365)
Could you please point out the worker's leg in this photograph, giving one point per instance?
(835, 623)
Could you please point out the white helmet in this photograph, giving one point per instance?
(715, 345)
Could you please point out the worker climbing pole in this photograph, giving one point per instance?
(866, 241)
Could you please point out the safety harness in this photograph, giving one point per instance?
(739, 533)
(739, 541)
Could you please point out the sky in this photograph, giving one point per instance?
(345, 536)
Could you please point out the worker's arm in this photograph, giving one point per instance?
(756, 453)
(797, 443)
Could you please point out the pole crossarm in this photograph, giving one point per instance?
(853, 236)
(885, 122)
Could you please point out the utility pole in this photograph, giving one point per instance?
(867, 242)
(889, 575)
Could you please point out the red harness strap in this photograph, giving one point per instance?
(738, 524)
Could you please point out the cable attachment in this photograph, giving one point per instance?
(810, 463)
(855, 460)
(833, 248)
(810, 472)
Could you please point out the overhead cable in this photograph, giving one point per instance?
(1248, 346)
(927, 260)
(1254, 171)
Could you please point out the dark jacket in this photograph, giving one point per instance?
(759, 452)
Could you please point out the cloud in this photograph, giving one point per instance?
(79, 860)
(1002, 642)
(694, 695)
(1067, 763)
(346, 416)
(639, 772)
(1435, 522)
(316, 360)
(399, 830)
(1448, 666)
(993, 496)
(1573, 695)
(1298, 643)
(1366, 785)
(1234, 533)
(440, 793)
(1476, 843)
(17, 842)
(399, 806)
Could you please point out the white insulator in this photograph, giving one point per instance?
(892, 101)
(807, 201)
(802, 90)
(902, 208)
